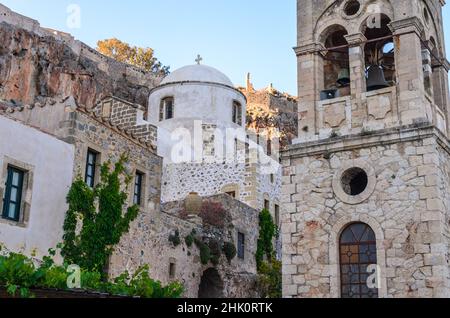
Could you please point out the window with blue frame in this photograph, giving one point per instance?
(12, 197)
(91, 165)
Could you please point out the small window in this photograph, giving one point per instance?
(91, 166)
(237, 113)
(272, 178)
(267, 205)
(352, 7)
(269, 147)
(106, 109)
(172, 269)
(232, 194)
(138, 182)
(277, 215)
(241, 245)
(12, 198)
(166, 109)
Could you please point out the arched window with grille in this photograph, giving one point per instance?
(358, 254)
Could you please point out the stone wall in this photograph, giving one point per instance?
(251, 184)
(405, 203)
(38, 63)
(148, 243)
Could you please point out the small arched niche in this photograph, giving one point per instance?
(211, 285)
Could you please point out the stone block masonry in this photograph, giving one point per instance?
(406, 203)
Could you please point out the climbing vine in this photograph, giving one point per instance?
(101, 213)
(229, 250)
(269, 268)
(267, 232)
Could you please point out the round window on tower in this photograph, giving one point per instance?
(354, 181)
(352, 7)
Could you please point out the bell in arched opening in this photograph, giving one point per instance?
(344, 77)
(375, 78)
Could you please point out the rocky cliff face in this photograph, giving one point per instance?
(37, 67)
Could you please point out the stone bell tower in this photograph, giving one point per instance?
(366, 185)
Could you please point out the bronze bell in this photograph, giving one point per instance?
(344, 77)
(375, 78)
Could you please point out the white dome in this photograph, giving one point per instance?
(197, 73)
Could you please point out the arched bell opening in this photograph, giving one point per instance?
(336, 71)
(379, 53)
(434, 86)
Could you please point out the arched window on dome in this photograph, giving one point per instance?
(358, 254)
(237, 113)
(166, 109)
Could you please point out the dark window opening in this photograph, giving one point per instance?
(269, 147)
(232, 194)
(91, 166)
(166, 109)
(241, 245)
(354, 181)
(352, 7)
(172, 268)
(379, 56)
(267, 205)
(12, 198)
(237, 113)
(277, 215)
(137, 195)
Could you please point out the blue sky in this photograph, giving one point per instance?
(235, 36)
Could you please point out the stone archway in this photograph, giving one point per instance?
(211, 285)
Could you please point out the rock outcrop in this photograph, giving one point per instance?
(38, 64)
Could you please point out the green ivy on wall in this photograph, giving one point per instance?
(101, 213)
(267, 232)
(269, 268)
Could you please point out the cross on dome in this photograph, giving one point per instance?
(199, 59)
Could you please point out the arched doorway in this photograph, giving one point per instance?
(358, 254)
(211, 285)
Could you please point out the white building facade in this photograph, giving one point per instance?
(202, 136)
(35, 176)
